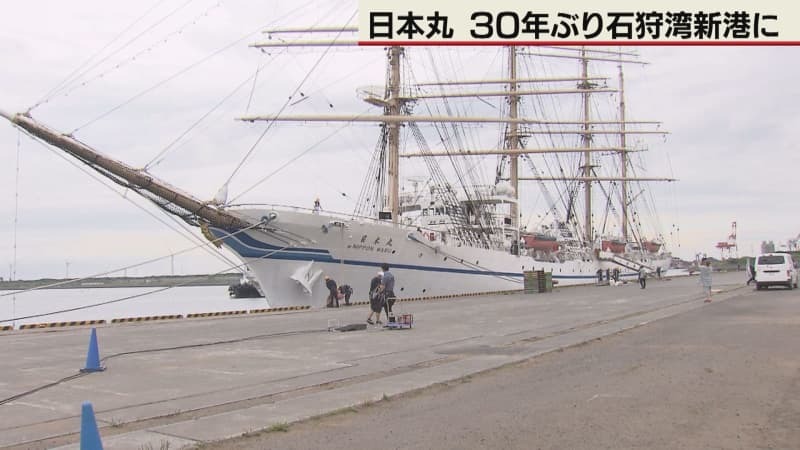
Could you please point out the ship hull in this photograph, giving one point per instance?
(291, 261)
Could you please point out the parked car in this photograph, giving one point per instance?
(776, 269)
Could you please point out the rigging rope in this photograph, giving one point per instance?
(143, 294)
(292, 160)
(184, 70)
(372, 187)
(149, 261)
(470, 186)
(65, 90)
(13, 274)
(186, 233)
(252, 89)
(159, 157)
(286, 104)
(68, 78)
(566, 189)
(159, 349)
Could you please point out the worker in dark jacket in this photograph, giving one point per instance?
(345, 291)
(375, 299)
(387, 289)
(333, 296)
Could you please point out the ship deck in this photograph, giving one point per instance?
(181, 383)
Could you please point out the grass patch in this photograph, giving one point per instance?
(115, 423)
(282, 427)
(163, 446)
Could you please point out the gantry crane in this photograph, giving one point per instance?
(729, 247)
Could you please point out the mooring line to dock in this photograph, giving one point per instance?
(186, 283)
(161, 349)
(683, 301)
(209, 344)
(149, 261)
(348, 380)
(43, 387)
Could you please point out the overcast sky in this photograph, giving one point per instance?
(731, 114)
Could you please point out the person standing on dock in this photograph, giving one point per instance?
(705, 278)
(643, 277)
(375, 299)
(751, 271)
(387, 289)
(333, 296)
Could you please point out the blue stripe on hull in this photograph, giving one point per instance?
(248, 247)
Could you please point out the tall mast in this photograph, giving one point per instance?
(623, 155)
(513, 137)
(587, 155)
(394, 109)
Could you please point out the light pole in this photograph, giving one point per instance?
(67, 269)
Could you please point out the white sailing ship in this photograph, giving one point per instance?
(450, 233)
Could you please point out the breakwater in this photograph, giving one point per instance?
(224, 279)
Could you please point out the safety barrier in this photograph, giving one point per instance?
(279, 309)
(61, 324)
(450, 296)
(447, 296)
(216, 314)
(242, 312)
(146, 318)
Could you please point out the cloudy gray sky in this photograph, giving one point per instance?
(731, 114)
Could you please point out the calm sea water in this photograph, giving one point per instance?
(47, 303)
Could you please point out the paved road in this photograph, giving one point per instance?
(190, 382)
(726, 376)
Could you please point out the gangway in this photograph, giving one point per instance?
(621, 261)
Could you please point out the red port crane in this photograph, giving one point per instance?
(728, 246)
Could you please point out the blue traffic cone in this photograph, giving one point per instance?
(90, 436)
(93, 355)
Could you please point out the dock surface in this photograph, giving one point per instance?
(181, 383)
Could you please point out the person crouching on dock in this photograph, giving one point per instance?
(333, 296)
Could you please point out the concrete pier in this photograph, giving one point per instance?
(183, 383)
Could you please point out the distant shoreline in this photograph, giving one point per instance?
(224, 279)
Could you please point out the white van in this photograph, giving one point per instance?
(775, 269)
